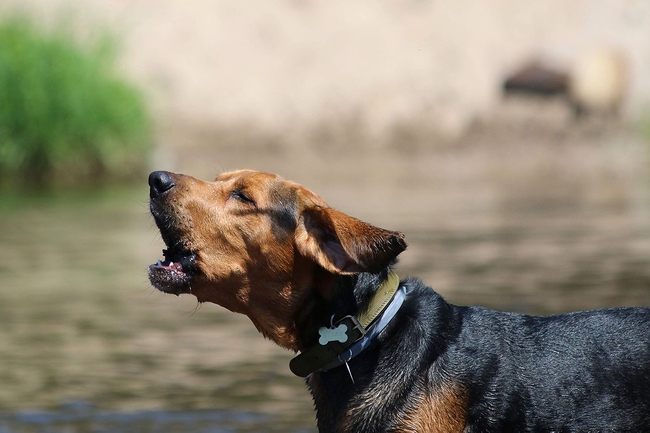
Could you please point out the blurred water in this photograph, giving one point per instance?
(79, 418)
(86, 345)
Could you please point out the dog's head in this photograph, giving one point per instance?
(254, 242)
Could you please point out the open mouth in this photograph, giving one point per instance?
(174, 273)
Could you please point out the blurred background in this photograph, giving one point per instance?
(509, 141)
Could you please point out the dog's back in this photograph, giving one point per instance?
(587, 371)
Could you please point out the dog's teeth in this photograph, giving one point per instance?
(171, 264)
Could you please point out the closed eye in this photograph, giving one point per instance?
(240, 196)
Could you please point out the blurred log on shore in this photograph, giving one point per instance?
(596, 82)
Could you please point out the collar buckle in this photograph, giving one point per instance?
(355, 330)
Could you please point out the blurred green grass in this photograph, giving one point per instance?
(65, 113)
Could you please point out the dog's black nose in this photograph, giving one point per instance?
(160, 182)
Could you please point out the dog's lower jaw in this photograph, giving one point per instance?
(168, 280)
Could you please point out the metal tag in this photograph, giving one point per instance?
(338, 333)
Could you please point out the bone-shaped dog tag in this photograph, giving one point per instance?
(333, 334)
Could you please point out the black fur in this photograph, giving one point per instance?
(577, 372)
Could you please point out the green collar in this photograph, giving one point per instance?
(342, 335)
(379, 302)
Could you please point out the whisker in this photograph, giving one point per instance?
(198, 306)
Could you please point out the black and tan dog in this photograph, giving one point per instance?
(382, 355)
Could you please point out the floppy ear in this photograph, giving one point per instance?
(345, 245)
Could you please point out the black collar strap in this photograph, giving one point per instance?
(349, 336)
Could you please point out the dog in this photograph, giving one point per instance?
(380, 354)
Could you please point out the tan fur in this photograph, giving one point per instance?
(443, 410)
(439, 412)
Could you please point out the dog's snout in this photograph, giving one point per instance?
(159, 183)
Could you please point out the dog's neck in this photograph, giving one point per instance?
(346, 337)
(328, 297)
(334, 296)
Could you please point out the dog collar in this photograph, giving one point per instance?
(348, 337)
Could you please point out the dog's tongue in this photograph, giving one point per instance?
(174, 266)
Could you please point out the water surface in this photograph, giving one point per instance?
(86, 345)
